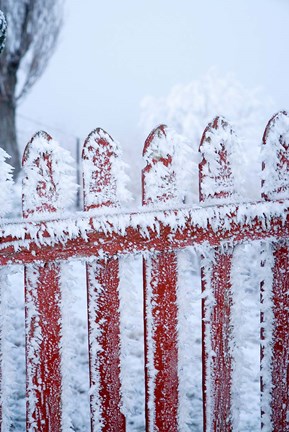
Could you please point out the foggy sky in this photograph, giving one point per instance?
(111, 54)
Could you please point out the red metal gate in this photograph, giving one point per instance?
(103, 232)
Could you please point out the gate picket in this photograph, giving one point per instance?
(275, 338)
(42, 296)
(216, 183)
(160, 294)
(100, 190)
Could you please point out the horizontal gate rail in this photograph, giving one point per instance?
(116, 233)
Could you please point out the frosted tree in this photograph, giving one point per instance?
(3, 29)
(189, 108)
(33, 29)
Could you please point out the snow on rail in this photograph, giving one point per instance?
(104, 233)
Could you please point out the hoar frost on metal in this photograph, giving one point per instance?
(266, 275)
(95, 348)
(171, 160)
(104, 186)
(48, 181)
(217, 149)
(275, 158)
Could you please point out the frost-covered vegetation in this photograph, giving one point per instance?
(189, 108)
(3, 29)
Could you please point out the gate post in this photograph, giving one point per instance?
(160, 293)
(275, 288)
(216, 184)
(42, 295)
(99, 157)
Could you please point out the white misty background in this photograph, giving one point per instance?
(126, 68)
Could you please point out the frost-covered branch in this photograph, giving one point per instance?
(3, 29)
(33, 29)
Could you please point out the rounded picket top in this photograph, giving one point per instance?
(100, 156)
(30, 146)
(156, 145)
(158, 176)
(48, 181)
(38, 186)
(216, 180)
(275, 158)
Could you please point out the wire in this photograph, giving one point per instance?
(49, 127)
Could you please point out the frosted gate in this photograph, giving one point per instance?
(103, 232)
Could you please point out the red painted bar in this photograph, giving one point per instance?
(217, 183)
(104, 342)
(100, 190)
(275, 185)
(217, 362)
(280, 338)
(160, 296)
(42, 298)
(24, 242)
(43, 367)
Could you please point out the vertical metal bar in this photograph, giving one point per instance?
(42, 299)
(216, 184)
(275, 292)
(43, 356)
(217, 337)
(280, 339)
(100, 190)
(160, 297)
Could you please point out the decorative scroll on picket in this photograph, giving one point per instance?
(275, 286)
(215, 170)
(217, 183)
(160, 293)
(42, 294)
(99, 157)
